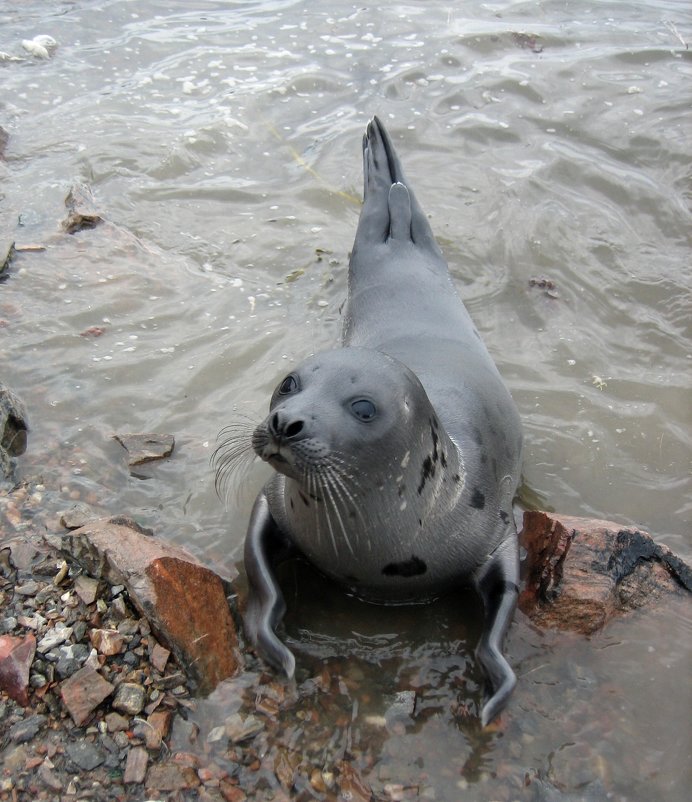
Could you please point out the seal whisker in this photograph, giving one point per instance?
(233, 454)
(331, 485)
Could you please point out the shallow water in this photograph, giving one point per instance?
(223, 145)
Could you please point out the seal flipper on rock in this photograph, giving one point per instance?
(264, 550)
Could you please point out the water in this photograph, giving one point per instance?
(223, 146)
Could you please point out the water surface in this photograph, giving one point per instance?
(222, 142)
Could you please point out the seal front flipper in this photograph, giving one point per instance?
(264, 548)
(498, 587)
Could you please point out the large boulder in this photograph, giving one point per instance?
(583, 571)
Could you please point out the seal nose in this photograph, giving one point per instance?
(283, 428)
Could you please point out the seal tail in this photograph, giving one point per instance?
(389, 213)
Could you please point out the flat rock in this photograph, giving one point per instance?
(136, 765)
(27, 728)
(83, 692)
(13, 415)
(583, 571)
(16, 656)
(171, 777)
(143, 448)
(82, 211)
(184, 602)
(85, 755)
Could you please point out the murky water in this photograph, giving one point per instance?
(222, 142)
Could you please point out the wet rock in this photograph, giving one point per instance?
(107, 641)
(54, 637)
(4, 139)
(82, 210)
(48, 776)
(352, 786)
(136, 765)
(159, 657)
(171, 777)
(143, 448)
(16, 656)
(13, 416)
(130, 698)
(583, 571)
(86, 588)
(239, 729)
(27, 728)
(70, 659)
(7, 251)
(157, 728)
(83, 692)
(116, 723)
(85, 755)
(184, 602)
(77, 516)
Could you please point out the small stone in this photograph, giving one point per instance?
(116, 723)
(216, 734)
(239, 729)
(159, 657)
(75, 517)
(85, 754)
(159, 725)
(146, 447)
(29, 588)
(107, 641)
(86, 588)
(79, 630)
(83, 692)
(27, 728)
(48, 777)
(130, 698)
(136, 765)
(54, 637)
(171, 777)
(16, 656)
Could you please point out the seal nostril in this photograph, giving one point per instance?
(274, 423)
(294, 429)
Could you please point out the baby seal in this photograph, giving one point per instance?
(398, 455)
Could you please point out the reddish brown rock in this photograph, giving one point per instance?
(582, 571)
(184, 602)
(136, 765)
(81, 208)
(83, 692)
(16, 656)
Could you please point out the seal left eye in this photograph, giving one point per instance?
(363, 409)
(288, 385)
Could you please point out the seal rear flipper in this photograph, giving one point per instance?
(382, 169)
(264, 548)
(498, 587)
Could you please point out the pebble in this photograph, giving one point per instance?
(85, 755)
(27, 728)
(130, 698)
(54, 637)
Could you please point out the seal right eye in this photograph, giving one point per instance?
(288, 385)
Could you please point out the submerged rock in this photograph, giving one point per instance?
(82, 210)
(146, 447)
(583, 571)
(184, 602)
(13, 429)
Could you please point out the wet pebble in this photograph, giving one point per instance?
(27, 728)
(130, 698)
(85, 755)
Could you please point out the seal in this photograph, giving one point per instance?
(397, 456)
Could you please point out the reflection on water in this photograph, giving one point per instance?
(222, 142)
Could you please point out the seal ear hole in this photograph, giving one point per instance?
(289, 385)
(363, 409)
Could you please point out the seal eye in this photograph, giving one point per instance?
(288, 385)
(363, 409)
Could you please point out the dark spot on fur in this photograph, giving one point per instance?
(457, 478)
(478, 437)
(504, 516)
(427, 471)
(353, 580)
(413, 567)
(477, 499)
(292, 505)
(484, 459)
(304, 498)
(402, 490)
